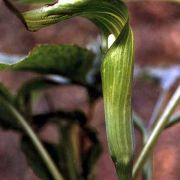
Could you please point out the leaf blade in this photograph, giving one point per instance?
(70, 61)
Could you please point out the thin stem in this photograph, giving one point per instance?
(173, 120)
(157, 109)
(67, 146)
(139, 124)
(147, 171)
(15, 11)
(43, 153)
(162, 122)
(74, 133)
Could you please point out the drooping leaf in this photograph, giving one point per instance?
(35, 161)
(91, 156)
(73, 117)
(23, 99)
(109, 15)
(67, 120)
(69, 61)
(68, 161)
(4, 92)
(6, 120)
(112, 18)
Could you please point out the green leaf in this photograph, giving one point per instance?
(173, 120)
(91, 156)
(68, 161)
(66, 120)
(111, 16)
(23, 99)
(117, 75)
(34, 139)
(4, 92)
(35, 161)
(72, 117)
(35, 1)
(6, 120)
(69, 61)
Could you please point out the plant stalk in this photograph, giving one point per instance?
(147, 172)
(69, 151)
(157, 109)
(173, 120)
(162, 122)
(38, 145)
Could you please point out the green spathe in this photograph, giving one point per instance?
(112, 18)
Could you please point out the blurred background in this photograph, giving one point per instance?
(156, 28)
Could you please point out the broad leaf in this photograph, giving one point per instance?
(112, 18)
(69, 61)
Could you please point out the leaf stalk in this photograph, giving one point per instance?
(162, 122)
(38, 145)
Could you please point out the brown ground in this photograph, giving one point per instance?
(157, 32)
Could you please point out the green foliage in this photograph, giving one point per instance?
(116, 73)
(111, 20)
(60, 153)
(65, 60)
(24, 95)
(6, 120)
(70, 61)
(111, 16)
(35, 161)
(35, 1)
(90, 158)
(4, 92)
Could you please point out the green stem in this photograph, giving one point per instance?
(147, 171)
(157, 109)
(173, 120)
(162, 122)
(68, 151)
(74, 151)
(139, 124)
(43, 153)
